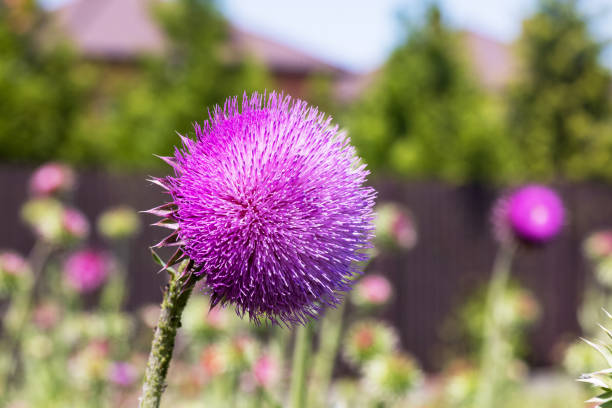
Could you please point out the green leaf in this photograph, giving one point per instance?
(603, 350)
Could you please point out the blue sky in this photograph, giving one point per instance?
(359, 34)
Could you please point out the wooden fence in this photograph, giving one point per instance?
(453, 255)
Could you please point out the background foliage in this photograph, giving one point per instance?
(425, 115)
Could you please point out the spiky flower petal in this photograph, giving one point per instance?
(269, 202)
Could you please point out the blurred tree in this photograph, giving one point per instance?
(426, 117)
(173, 91)
(560, 108)
(320, 93)
(41, 89)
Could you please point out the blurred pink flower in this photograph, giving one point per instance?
(402, 229)
(599, 244)
(532, 214)
(122, 374)
(51, 178)
(216, 318)
(75, 223)
(395, 226)
(211, 361)
(265, 371)
(372, 289)
(86, 270)
(47, 315)
(13, 264)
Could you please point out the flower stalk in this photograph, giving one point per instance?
(21, 309)
(175, 299)
(299, 370)
(494, 356)
(329, 341)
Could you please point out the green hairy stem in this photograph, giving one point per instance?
(299, 370)
(175, 299)
(495, 355)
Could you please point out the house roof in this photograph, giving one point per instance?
(111, 29)
(493, 61)
(278, 57)
(124, 29)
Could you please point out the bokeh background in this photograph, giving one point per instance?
(450, 104)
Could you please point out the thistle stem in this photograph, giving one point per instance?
(329, 340)
(21, 308)
(175, 299)
(494, 356)
(300, 367)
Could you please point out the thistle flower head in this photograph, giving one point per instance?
(75, 224)
(51, 178)
(53, 222)
(119, 223)
(599, 245)
(269, 203)
(532, 214)
(392, 375)
(14, 269)
(372, 290)
(13, 263)
(47, 315)
(86, 270)
(368, 339)
(395, 226)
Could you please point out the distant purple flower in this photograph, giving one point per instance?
(12, 263)
(372, 290)
(51, 178)
(122, 374)
(269, 202)
(265, 371)
(532, 213)
(75, 223)
(599, 244)
(86, 270)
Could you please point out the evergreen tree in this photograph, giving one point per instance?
(40, 89)
(425, 116)
(560, 108)
(174, 91)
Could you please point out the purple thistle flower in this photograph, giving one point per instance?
(533, 213)
(269, 203)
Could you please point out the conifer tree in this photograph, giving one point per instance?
(560, 107)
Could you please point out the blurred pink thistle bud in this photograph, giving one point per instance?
(51, 178)
(119, 223)
(368, 339)
(13, 264)
(532, 214)
(395, 226)
(13, 269)
(391, 375)
(599, 245)
(86, 270)
(372, 290)
(47, 315)
(75, 223)
(122, 374)
(265, 371)
(211, 360)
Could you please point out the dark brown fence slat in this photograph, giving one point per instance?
(453, 256)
